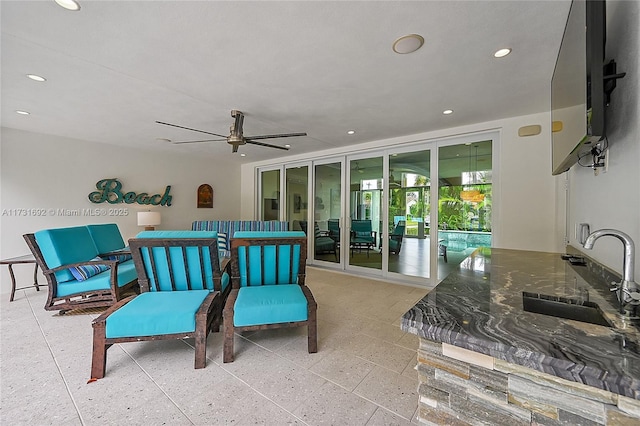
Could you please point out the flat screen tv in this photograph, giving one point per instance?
(577, 86)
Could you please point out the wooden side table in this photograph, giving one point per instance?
(27, 258)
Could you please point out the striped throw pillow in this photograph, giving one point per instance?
(223, 246)
(84, 272)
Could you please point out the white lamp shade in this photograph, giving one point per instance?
(148, 218)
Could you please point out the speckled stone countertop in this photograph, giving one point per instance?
(480, 307)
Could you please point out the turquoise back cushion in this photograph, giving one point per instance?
(106, 237)
(259, 267)
(163, 313)
(62, 246)
(193, 270)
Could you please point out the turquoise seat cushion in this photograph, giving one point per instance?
(151, 314)
(270, 304)
(62, 246)
(106, 237)
(160, 280)
(101, 281)
(84, 272)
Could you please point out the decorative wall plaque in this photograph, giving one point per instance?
(205, 196)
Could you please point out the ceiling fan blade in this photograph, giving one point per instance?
(205, 140)
(189, 128)
(284, 135)
(265, 144)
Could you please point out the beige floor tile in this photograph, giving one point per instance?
(392, 391)
(383, 417)
(275, 377)
(343, 368)
(333, 405)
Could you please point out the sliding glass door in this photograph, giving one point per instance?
(365, 212)
(409, 215)
(270, 195)
(328, 211)
(296, 181)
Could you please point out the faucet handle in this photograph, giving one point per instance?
(615, 286)
(635, 298)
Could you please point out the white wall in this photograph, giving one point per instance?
(524, 217)
(48, 172)
(612, 199)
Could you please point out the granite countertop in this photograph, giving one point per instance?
(480, 307)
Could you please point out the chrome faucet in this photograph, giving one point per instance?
(627, 290)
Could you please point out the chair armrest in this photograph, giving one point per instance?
(119, 252)
(103, 317)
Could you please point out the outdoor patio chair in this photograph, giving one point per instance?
(182, 295)
(362, 235)
(269, 291)
(395, 239)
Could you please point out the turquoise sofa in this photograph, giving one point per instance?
(85, 266)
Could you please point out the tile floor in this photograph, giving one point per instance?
(363, 373)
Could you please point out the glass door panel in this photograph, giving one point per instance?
(409, 213)
(464, 202)
(270, 195)
(365, 213)
(327, 212)
(297, 196)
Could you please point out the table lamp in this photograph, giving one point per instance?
(149, 220)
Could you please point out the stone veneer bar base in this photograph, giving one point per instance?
(461, 387)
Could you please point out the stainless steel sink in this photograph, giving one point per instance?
(562, 307)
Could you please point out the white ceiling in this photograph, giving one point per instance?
(115, 67)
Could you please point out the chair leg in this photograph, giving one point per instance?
(312, 333)
(201, 345)
(99, 357)
(227, 352)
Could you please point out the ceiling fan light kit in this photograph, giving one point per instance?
(236, 137)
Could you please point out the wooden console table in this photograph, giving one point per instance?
(27, 258)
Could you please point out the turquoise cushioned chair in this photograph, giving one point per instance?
(268, 286)
(182, 295)
(362, 235)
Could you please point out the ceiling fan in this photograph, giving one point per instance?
(236, 138)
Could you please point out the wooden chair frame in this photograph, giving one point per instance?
(86, 299)
(208, 317)
(205, 318)
(311, 322)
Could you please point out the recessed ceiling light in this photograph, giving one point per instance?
(408, 44)
(36, 77)
(502, 53)
(287, 146)
(447, 111)
(69, 4)
(23, 112)
(351, 132)
(243, 155)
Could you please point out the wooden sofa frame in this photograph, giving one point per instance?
(87, 299)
